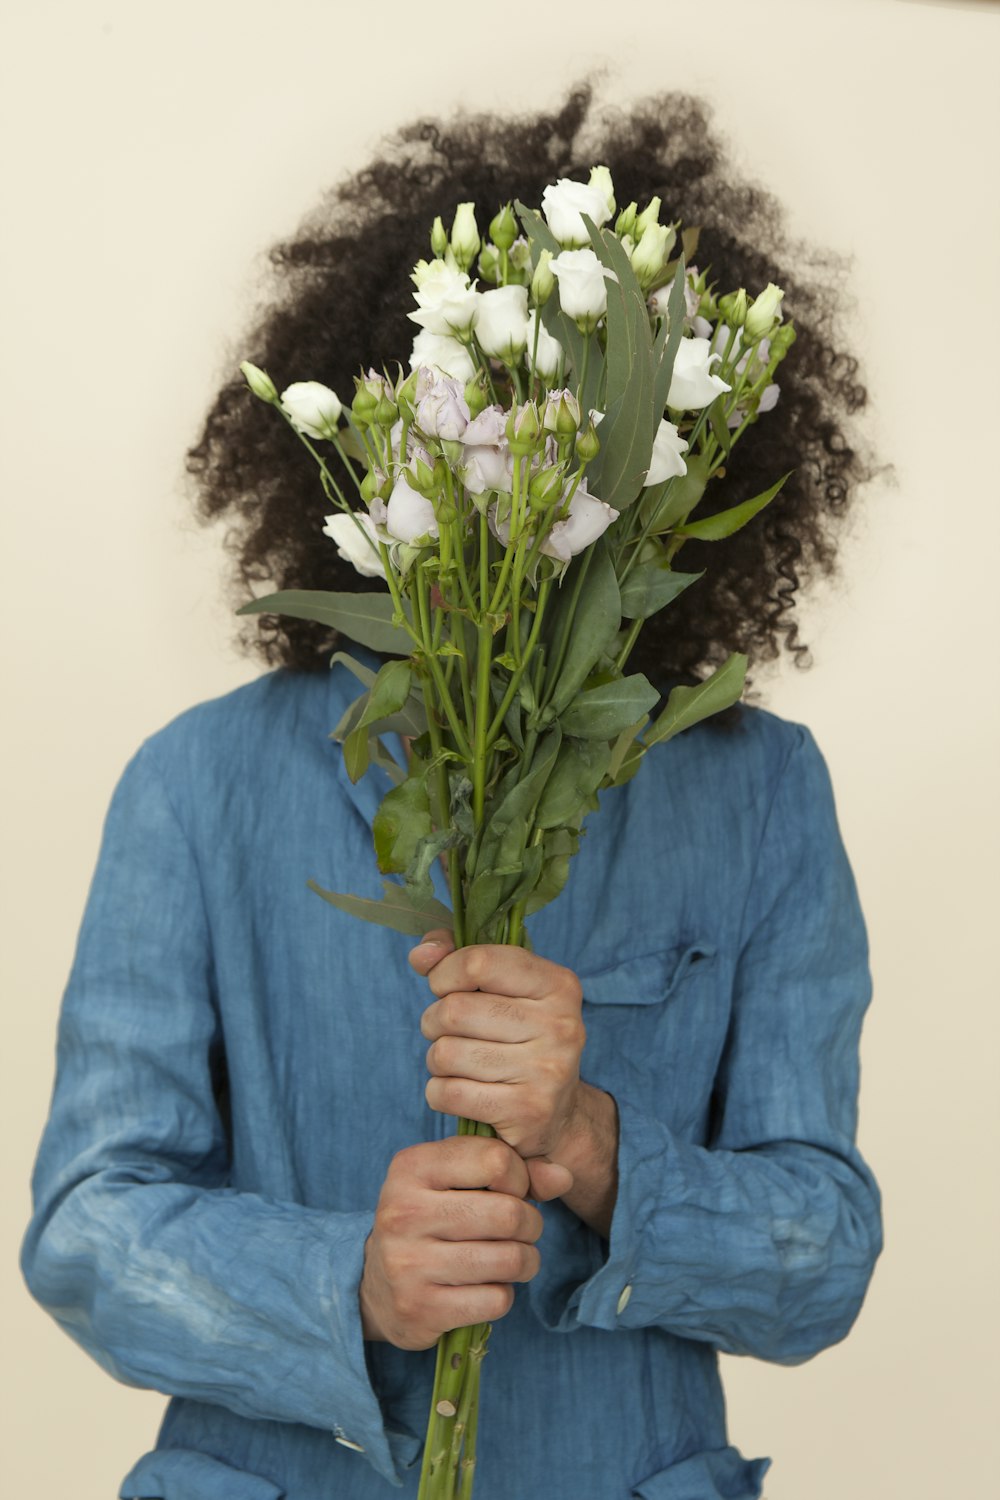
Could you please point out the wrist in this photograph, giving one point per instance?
(588, 1146)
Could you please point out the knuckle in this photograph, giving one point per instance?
(495, 1156)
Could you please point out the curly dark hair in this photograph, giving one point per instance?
(339, 297)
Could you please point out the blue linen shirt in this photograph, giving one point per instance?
(238, 1062)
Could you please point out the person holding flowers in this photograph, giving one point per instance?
(638, 987)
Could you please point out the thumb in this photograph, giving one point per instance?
(547, 1179)
(433, 946)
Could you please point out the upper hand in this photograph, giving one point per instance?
(506, 1036)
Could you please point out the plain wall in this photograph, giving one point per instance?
(151, 153)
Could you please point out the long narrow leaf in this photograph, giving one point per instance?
(394, 910)
(725, 522)
(689, 705)
(366, 618)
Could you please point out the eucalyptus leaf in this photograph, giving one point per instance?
(366, 618)
(652, 586)
(689, 705)
(402, 820)
(603, 711)
(590, 619)
(349, 718)
(725, 522)
(396, 909)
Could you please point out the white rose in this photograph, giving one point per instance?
(501, 322)
(548, 353)
(312, 408)
(583, 291)
(409, 515)
(763, 311)
(451, 357)
(564, 201)
(668, 445)
(487, 468)
(692, 385)
(446, 303)
(588, 519)
(351, 543)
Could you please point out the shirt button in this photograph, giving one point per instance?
(623, 1300)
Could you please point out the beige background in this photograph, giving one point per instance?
(151, 153)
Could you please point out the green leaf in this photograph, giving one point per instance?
(388, 693)
(357, 753)
(396, 909)
(725, 522)
(677, 498)
(364, 674)
(590, 618)
(652, 586)
(689, 705)
(603, 711)
(540, 237)
(402, 820)
(668, 340)
(578, 772)
(617, 473)
(349, 718)
(717, 418)
(380, 757)
(558, 846)
(622, 747)
(366, 618)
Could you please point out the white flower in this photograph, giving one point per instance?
(451, 357)
(548, 353)
(502, 322)
(312, 408)
(588, 519)
(351, 543)
(465, 241)
(409, 515)
(442, 410)
(259, 381)
(692, 385)
(660, 299)
(668, 445)
(489, 463)
(600, 177)
(583, 291)
(564, 201)
(446, 303)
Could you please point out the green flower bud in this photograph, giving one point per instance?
(489, 264)
(503, 228)
(465, 241)
(365, 403)
(782, 339)
(376, 485)
(545, 488)
(625, 223)
(542, 282)
(561, 414)
(650, 255)
(763, 311)
(588, 444)
(475, 396)
(733, 307)
(386, 411)
(439, 238)
(525, 432)
(519, 260)
(406, 396)
(649, 216)
(259, 382)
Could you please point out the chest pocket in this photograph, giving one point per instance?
(656, 1024)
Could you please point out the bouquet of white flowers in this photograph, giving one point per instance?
(524, 491)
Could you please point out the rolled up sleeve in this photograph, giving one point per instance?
(138, 1247)
(764, 1240)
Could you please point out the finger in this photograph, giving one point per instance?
(433, 946)
(462, 1307)
(466, 1100)
(548, 1179)
(463, 1161)
(484, 1016)
(504, 970)
(488, 1062)
(467, 1215)
(479, 1262)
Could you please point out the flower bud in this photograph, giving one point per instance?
(782, 339)
(625, 223)
(489, 264)
(519, 260)
(365, 402)
(588, 444)
(312, 408)
(600, 177)
(503, 228)
(259, 382)
(543, 282)
(649, 216)
(475, 396)
(420, 473)
(376, 485)
(465, 241)
(763, 311)
(524, 429)
(561, 413)
(386, 411)
(439, 238)
(406, 396)
(650, 255)
(733, 307)
(545, 488)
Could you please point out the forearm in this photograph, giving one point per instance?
(588, 1146)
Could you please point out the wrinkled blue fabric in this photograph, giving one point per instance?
(238, 1062)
